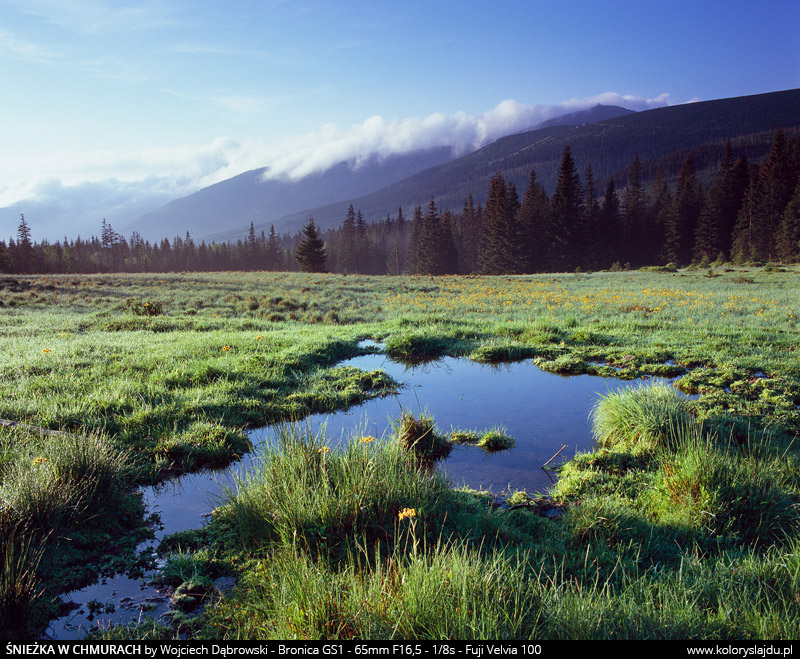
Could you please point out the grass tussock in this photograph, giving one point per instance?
(446, 591)
(643, 418)
(418, 437)
(60, 479)
(318, 496)
(20, 582)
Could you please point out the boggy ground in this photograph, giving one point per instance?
(687, 528)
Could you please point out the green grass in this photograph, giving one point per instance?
(642, 419)
(682, 524)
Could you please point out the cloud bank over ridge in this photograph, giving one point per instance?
(70, 193)
(298, 157)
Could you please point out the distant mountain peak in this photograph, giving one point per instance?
(591, 115)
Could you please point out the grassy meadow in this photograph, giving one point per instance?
(683, 523)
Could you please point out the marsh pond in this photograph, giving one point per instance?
(543, 412)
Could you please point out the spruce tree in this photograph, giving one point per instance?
(591, 223)
(362, 246)
(412, 257)
(742, 248)
(498, 248)
(634, 217)
(788, 243)
(534, 227)
(688, 203)
(469, 237)
(566, 211)
(610, 241)
(273, 256)
(436, 251)
(310, 253)
(659, 218)
(708, 241)
(776, 182)
(24, 247)
(347, 252)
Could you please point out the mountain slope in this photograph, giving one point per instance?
(589, 116)
(228, 207)
(232, 204)
(609, 146)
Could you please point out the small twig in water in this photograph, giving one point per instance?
(554, 457)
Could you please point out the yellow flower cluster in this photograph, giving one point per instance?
(407, 513)
(324, 450)
(46, 350)
(368, 439)
(38, 461)
(491, 296)
(225, 348)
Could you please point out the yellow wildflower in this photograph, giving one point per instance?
(259, 337)
(407, 512)
(46, 350)
(225, 348)
(367, 440)
(40, 460)
(324, 450)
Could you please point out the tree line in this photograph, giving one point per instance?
(749, 212)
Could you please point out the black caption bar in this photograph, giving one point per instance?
(444, 649)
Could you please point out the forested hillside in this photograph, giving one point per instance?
(660, 137)
(748, 212)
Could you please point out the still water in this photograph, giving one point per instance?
(541, 411)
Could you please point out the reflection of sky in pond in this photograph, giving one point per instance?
(541, 411)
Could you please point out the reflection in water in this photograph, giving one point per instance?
(541, 411)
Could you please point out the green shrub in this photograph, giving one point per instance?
(146, 308)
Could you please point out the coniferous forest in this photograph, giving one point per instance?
(750, 212)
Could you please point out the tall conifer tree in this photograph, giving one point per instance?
(499, 239)
(634, 217)
(566, 209)
(788, 243)
(534, 227)
(610, 240)
(310, 253)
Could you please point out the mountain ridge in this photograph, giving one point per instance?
(245, 198)
(609, 145)
(651, 135)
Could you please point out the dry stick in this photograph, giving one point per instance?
(555, 456)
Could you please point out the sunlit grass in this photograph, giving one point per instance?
(683, 524)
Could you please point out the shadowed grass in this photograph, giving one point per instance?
(20, 583)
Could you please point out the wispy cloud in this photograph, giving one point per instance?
(237, 104)
(99, 16)
(19, 49)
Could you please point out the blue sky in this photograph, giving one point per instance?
(114, 106)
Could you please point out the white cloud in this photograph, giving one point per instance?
(313, 152)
